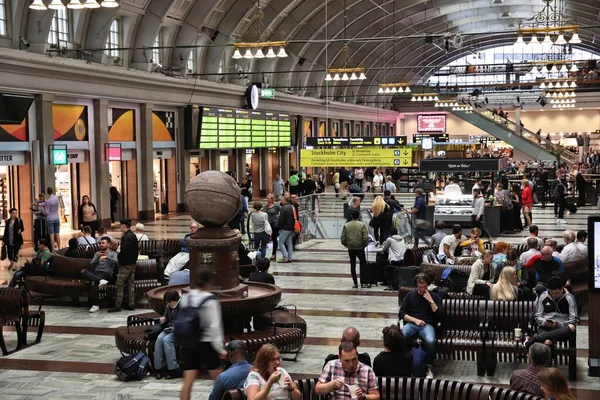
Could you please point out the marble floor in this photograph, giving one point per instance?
(77, 353)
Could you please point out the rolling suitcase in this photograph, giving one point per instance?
(368, 275)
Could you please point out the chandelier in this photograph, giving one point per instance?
(347, 73)
(552, 22)
(73, 4)
(425, 97)
(259, 30)
(393, 88)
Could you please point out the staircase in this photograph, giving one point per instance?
(528, 142)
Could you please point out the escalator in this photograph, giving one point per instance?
(526, 141)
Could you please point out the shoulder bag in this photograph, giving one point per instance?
(268, 228)
(297, 224)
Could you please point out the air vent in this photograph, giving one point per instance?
(497, 2)
(505, 14)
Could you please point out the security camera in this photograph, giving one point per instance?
(25, 42)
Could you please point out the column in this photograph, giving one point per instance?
(284, 163)
(594, 333)
(145, 162)
(518, 120)
(213, 160)
(183, 162)
(99, 168)
(45, 137)
(264, 173)
(240, 164)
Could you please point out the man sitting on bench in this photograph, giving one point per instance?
(103, 263)
(38, 266)
(556, 315)
(351, 334)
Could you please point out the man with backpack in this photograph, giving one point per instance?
(198, 328)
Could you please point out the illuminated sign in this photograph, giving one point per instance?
(59, 156)
(356, 141)
(365, 157)
(431, 123)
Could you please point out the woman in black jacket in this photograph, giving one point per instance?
(395, 360)
(13, 238)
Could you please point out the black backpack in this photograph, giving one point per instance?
(132, 367)
(454, 280)
(187, 326)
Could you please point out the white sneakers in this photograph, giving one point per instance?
(561, 221)
(102, 283)
(429, 374)
(95, 309)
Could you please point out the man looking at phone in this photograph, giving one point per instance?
(347, 377)
(556, 315)
(421, 311)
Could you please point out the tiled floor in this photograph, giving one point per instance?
(77, 353)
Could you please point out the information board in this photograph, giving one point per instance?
(431, 123)
(437, 137)
(356, 141)
(365, 157)
(226, 128)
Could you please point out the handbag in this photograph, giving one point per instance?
(153, 332)
(268, 228)
(297, 224)
(4, 253)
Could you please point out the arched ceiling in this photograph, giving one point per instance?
(316, 31)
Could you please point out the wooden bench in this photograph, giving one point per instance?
(403, 388)
(414, 256)
(501, 345)
(14, 311)
(130, 339)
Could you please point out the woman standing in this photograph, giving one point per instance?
(506, 287)
(526, 201)
(381, 219)
(261, 238)
(480, 279)
(40, 228)
(87, 215)
(336, 182)
(13, 238)
(272, 209)
(515, 192)
(267, 380)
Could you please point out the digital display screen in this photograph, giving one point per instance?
(227, 128)
(356, 141)
(431, 123)
(594, 252)
(427, 143)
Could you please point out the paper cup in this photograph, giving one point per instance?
(353, 389)
(518, 333)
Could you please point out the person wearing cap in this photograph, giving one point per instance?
(556, 315)
(127, 258)
(236, 375)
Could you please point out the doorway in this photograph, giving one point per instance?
(118, 197)
(161, 195)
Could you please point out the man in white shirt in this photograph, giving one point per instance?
(449, 245)
(532, 244)
(377, 181)
(478, 185)
(581, 238)
(533, 233)
(571, 251)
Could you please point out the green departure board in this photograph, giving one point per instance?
(224, 128)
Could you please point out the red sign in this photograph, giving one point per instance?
(113, 154)
(431, 123)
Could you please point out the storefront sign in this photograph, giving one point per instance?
(13, 158)
(462, 165)
(76, 156)
(431, 123)
(162, 154)
(366, 157)
(356, 141)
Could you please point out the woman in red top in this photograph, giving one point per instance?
(526, 201)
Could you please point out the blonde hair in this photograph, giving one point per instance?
(525, 182)
(378, 206)
(139, 227)
(504, 289)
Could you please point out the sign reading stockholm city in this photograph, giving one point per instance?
(364, 157)
(462, 164)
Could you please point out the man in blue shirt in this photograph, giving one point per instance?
(236, 375)
(419, 212)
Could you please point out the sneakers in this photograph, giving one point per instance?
(173, 374)
(429, 374)
(102, 283)
(129, 308)
(114, 309)
(95, 309)
(562, 221)
(283, 260)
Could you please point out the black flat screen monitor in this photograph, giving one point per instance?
(594, 253)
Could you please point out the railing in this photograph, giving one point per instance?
(539, 140)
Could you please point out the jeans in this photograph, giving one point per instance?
(427, 335)
(165, 348)
(417, 233)
(96, 278)
(363, 262)
(16, 277)
(260, 242)
(286, 243)
(561, 334)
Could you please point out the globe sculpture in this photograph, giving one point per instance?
(213, 199)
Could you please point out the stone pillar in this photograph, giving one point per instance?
(99, 169)
(264, 174)
(213, 160)
(145, 162)
(518, 120)
(284, 163)
(183, 162)
(240, 164)
(45, 137)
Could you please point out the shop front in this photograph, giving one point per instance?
(164, 168)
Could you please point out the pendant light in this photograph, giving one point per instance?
(560, 40)
(573, 84)
(387, 90)
(110, 4)
(554, 70)
(91, 4)
(574, 68)
(271, 53)
(534, 70)
(345, 77)
(547, 40)
(248, 54)
(38, 5)
(362, 76)
(282, 53)
(336, 77)
(400, 89)
(543, 85)
(236, 54)
(520, 41)
(56, 5)
(259, 54)
(407, 90)
(329, 78)
(550, 85)
(75, 5)
(353, 77)
(575, 39)
(534, 40)
(544, 69)
(394, 90)
(565, 85)
(380, 90)
(564, 68)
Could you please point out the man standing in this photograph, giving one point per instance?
(419, 212)
(51, 206)
(114, 198)
(344, 179)
(422, 311)
(556, 315)
(236, 375)
(103, 265)
(355, 237)
(278, 187)
(179, 260)
(286, 230)
(341, 375)
(477, 219)
(354, 205)
(127, 259)
(526, 380)
(294, 182)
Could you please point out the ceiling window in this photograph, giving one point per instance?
(3, 17)
(59, 29)
(191, 62)
(114, 39)
(155, 51)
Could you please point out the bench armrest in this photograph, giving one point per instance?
(289, 305)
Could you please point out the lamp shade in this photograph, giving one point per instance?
(353, 77)
(110, 4)
(574, 68)
(336, 77)
(56, 5)
(560, 40)
(380, 90)
(573, 84)
(534, 70)
(345, 77)
(91, 4)
(259, 54)
(575, 39)
(400, 89)
(543, 85)
(394, 90)
(328, 77)
(554, 70)
(550, 85)
(362, 76)
(282, 52)
(544, 70)
(248, 54)
(534, 40)
(520, 40)
(387, 90)
(236, 54)
(38, 5)
(407, 90)
(76, 5)
(271, 53)
(547, 40)
(564, 68)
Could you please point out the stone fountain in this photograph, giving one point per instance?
(213, 199)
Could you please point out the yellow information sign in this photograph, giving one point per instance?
(363, 157)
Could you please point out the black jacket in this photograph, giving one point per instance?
(286, 218)
(17, 238)
(417, 307)
(129, 249)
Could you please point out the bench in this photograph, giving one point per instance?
(130, 339)
(14, 311)
(405, 388)
(414, 256)
(501, 345)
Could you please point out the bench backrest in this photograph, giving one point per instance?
(156, 247)
(415, 256)
(87, 250)
(465, 314)
(439, 269)
(507, 315)
(12, 302)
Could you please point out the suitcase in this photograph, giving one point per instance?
(368, 275)
(381, 260)
(405, 276)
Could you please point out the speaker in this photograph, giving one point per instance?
(429, 39)
(301, 61)
(214, 36)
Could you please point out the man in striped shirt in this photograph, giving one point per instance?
(526, 380)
